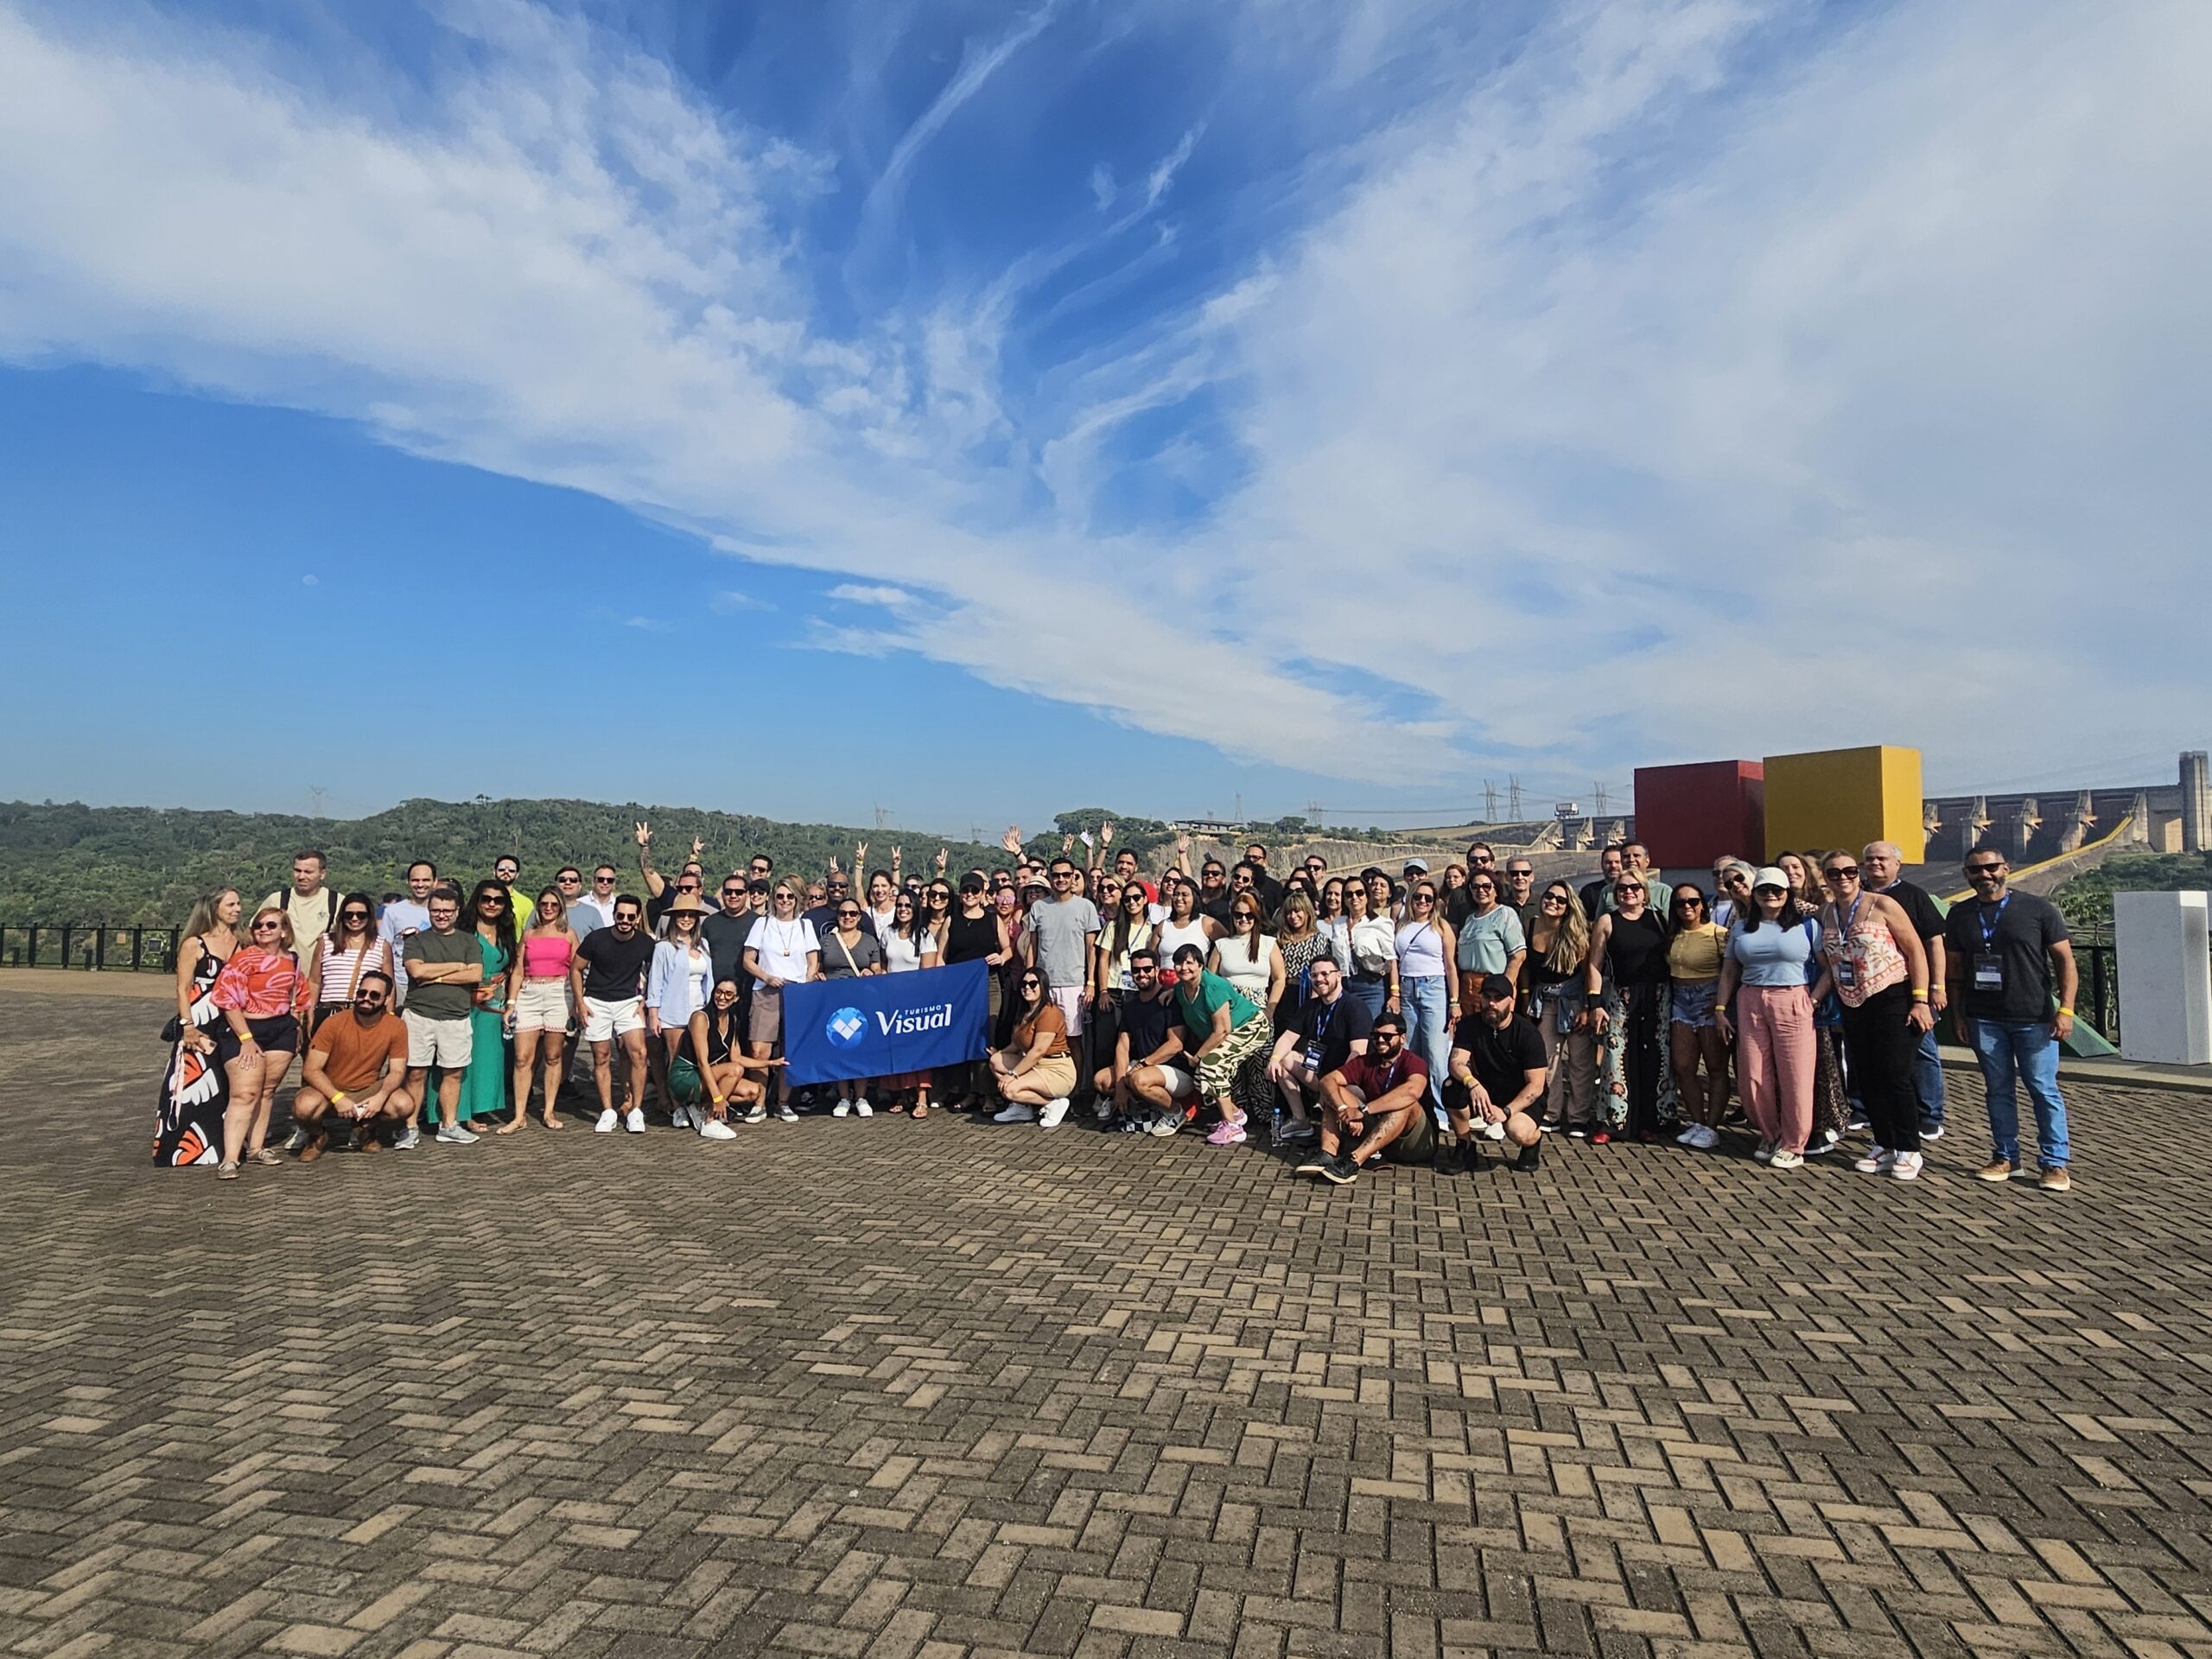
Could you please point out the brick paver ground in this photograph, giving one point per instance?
(891, 1391)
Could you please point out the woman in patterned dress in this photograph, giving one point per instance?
(1626, 986)
(188, 1129)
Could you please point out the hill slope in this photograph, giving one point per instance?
(127, 865)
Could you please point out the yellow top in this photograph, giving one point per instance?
(1693, 954)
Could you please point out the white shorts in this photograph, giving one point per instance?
(607, 1020)
(1071, 1002)
(542, 1006)
(1178, 1082)
(446, 1043)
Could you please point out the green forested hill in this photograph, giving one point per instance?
(2087, 899)
(131, 864)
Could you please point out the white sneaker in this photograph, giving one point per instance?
(1707, 1138)
(452, 1135)
(407, 1139)
(1905, 1167)
(635, 1123)
(1688, 1137)
(608, 1119)
(842, 1107)
(1764, 1152)
(1875, 1162)
(785, 1115)
(680, 1118)
(1055, 1109)
(861, 1109)
(713, 1128)
(1102, 1107)
(757, 1114)
(1014, 1115)
(1786, 1160)
(1494, 1131)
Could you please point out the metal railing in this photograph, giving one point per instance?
(97, 946)
(2096, 1000)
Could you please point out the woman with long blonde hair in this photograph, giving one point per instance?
(1559, 939)
(261, 994)
(195, 1089)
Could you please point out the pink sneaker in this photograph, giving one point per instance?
(1227, 1133)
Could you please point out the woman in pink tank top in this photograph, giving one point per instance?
(539, 995)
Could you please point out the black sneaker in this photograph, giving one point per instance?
(1339, 1171)
(1315, 1162)
(1526, 1157)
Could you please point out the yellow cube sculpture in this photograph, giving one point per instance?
(1845, 797)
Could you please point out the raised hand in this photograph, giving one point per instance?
(697, 846)
(833, 863)
(897, 854)
(1182, 841)
(644, 835)
(860, 856)
(1011, 840)
(943, 854)
(1106, 833)
(1067, 845)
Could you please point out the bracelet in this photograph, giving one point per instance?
(2069, 1013)
(721, 1100)
(1920, 996)
(339, 1095)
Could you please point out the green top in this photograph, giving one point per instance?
(440, 1001)
(1213, 991)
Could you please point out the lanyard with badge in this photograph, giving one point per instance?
(1989, 962)
(1316, 1044)
(1846, 966)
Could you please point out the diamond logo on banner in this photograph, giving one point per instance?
(847, 1027)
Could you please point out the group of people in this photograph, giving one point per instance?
(1358, 1017)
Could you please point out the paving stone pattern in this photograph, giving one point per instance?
(887, 1390)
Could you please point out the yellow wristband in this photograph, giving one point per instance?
(1920, 996)
(2069, 1013)
(721, 1100)
(339, 1095)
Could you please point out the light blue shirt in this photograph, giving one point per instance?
(586, 917)
(680, 981)
(1488, 942)
(401, 918)
(1775, 955)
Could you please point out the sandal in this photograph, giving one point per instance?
(551, 1122)
(921, 1111)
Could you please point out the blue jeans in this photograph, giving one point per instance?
(1424, 1002)
(1928, 1079)
(2025, 1049)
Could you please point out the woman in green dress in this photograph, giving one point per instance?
(484, 1085)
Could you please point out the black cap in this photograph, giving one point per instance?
(1497, 985)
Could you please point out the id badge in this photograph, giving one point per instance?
(1988, 971)
(1846, 974)
(1313, 1057)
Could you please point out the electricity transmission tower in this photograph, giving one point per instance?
(1513, 798)
(1489, 802)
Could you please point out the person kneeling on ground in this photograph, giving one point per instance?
(1496, 1073)
(1330, 1028)
(1034, 1072)
(356, 1071)
(1374, 1103)
(1148, 1082)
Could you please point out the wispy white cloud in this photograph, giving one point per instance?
(1675, 368)
(730, 602)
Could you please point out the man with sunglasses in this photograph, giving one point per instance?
(1330, 1028)
(592, 910)
(1060, 938)
(1147, 1079)
(607, 980)
(506, 870)
(356, 1071)
(2011, 964)
(1374, 1104)
(1882, 863)
(726, 931)
(1520, 892)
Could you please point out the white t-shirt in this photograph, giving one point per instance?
(783, 948)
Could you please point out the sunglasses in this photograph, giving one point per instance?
(843, 914)
(1984, 870)
(354, 915)
(266, 927)
(1838, 872)
(1032, 984)
(569, 880)
(1558, 898)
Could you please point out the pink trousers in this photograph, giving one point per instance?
(1775, 1051)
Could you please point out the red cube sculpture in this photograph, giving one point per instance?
(1691, 815)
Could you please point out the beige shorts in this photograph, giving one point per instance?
(542, 1006)
(448, 1044)
(604, 1021)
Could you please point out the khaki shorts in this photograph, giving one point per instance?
(448, 1044)
(542, 1006)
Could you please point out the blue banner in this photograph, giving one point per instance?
(880, 1024)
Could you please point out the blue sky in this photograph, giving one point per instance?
(982, 410)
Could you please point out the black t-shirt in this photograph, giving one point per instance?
(2022, 928)
(1148, 1020)
(1218, 908)
(1270, 890)
(1593, 896)
(724, 936)
(1927, 917)
(1334, 1027)
(614, 968)
(1500, 1060)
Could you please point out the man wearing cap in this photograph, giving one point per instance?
(1415, 868)
(1373, 1105)
(1496, 1073)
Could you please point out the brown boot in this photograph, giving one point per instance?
(314, 1148)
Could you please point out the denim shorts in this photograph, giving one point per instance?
(1693, 1002)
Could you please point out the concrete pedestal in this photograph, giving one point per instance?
(2165, 976)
